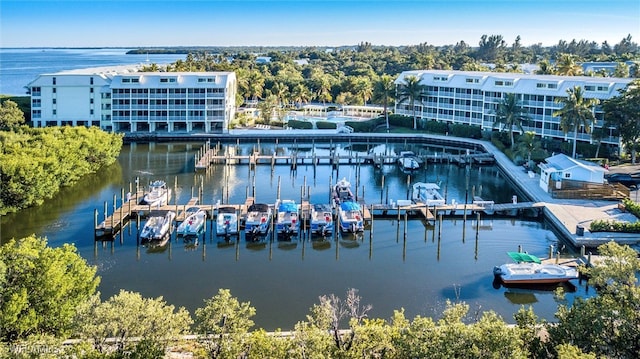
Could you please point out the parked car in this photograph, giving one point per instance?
(624, 179)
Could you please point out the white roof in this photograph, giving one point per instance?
(562, 162)
(520, 83)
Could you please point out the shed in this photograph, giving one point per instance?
(561, 167)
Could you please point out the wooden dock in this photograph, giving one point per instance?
(129, 210)
(211, 156)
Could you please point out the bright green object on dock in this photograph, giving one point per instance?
(523, 257)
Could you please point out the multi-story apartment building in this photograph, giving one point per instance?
(472, 98)
(121, 99)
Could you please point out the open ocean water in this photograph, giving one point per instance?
(19, 66)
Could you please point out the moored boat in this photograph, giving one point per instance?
(157, 226)
(529, 269)
(427, 193)
(258, 219)
(351, 217)
(158, 194)
(408, 161)
(194, 223)
(227, 221)
(321, 219)
(341, 192)
(287, 217)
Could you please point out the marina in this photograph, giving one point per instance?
(399, 247)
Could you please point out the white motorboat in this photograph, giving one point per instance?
(321, 219)
(158, 194)
(341, 192)
(528, 269)
(227, 221)
(288, 217)
(158, 226)
(351, 217)
(427, 193)
(408, 161)
(194, 223)
(258, 219)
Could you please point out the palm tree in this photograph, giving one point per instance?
(300, 94)
(527, 144)
(384, 90)
(576, 112)
(567, 66)
(510, 114)
(411, 90)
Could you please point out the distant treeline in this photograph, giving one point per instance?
(36, 162)
(222, 49)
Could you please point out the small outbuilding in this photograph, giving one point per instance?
(562, 168)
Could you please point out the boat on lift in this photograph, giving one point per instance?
(158, 226)
(227, 221)
(321, 219)
(350, 217)
(258, 219)
(427, 193)
(194, 223)
(288, 217)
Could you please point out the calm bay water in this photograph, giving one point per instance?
(283, 279)
(20, 66)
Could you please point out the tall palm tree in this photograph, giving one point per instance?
(384, 91)
(510, 114)
(576, 112)
(411, 90)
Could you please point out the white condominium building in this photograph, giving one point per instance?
(472, 98)
(121, 99)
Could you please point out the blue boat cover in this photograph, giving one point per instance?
(349, 206)
(288, 207)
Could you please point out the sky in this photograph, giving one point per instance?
(158, 23)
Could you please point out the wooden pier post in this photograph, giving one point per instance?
(95, 221)
(478, 222)
(439, 225)
(550, 255)
(371, 225)
(113, 214)
(278, 189)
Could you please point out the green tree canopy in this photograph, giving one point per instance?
(42, 287)
(224, 321)
(127, 315)
(623, 112)
(11, 117)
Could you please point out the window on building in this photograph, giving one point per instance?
(53, 80)
(53, 90)
(91, 90)
(567, 174)
(90, 80)
(54, 101)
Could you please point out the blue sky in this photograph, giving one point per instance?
(140, 23)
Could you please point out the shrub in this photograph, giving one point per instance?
(300, 125)
(325, 125)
